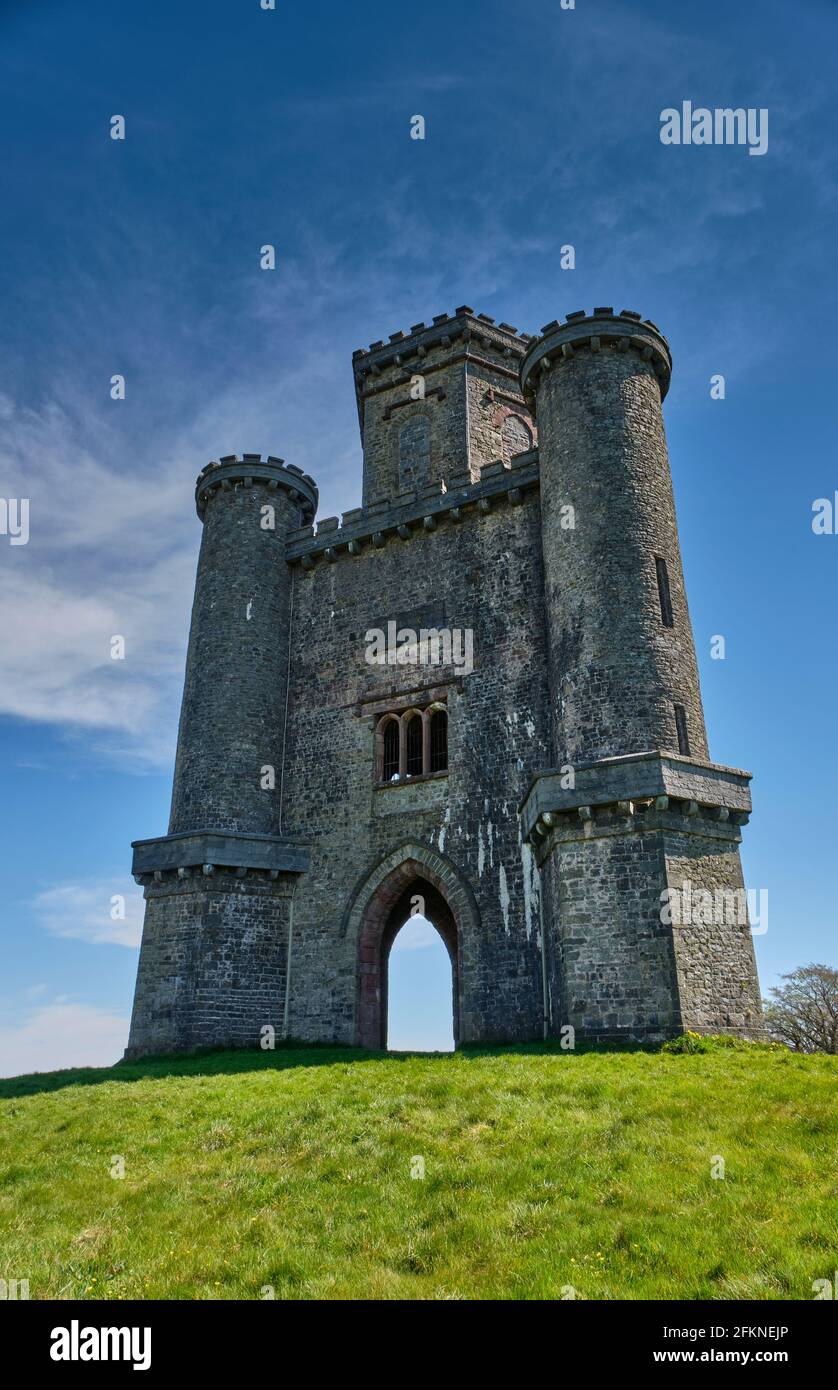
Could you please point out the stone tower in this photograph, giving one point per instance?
(219, 885)
(647, 814)
(550, 802)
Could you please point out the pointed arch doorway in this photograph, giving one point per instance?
(411, 878)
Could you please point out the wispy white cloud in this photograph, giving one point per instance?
(84, 911)
(62, 1034)
(114, 536)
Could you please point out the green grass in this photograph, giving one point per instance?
(543, 1169)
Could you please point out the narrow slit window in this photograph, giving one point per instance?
(439, 741)
(390, 763)
(663, 592)
(414, 746)
(681, 726)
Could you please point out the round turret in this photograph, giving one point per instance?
(232, 723)
(623, 676)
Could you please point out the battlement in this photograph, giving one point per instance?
(603, 330)
(272, 473)
(696, 797)
(444, 329)
(427, 348)
(408, 513)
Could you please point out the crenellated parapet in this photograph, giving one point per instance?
(428, 347)
(251, 469)
(435, 401)
(203, 853)
(601, 331)
(643, 791)
(398, 519)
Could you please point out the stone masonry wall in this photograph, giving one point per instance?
(484, 574)
(612, 961)
(717, 975)
(492, 398)
(212, 962)
(389, 409)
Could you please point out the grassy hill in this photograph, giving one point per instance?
(543, 1169)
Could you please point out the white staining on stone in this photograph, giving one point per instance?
(530, 728)
(504, 898)
(249, 609)
(481, 851)
(532, 886)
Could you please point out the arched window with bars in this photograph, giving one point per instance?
(438, 740)
(390, 749)
(411, 743)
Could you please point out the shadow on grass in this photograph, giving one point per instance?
(214, 1062)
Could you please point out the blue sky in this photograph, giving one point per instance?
(291, 127)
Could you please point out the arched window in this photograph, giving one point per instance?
(414, 453)
(516, 437)
(414, 746)
(390, 761)
(439, 740)
(411, 743)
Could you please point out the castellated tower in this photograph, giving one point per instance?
(470, 413)
(218, 887)
(524, 760)
(640, 812)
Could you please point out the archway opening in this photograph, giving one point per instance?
(398, 905)
(420, 1016)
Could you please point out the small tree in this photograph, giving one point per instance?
(803, 1013)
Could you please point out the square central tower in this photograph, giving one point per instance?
(440, 403)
